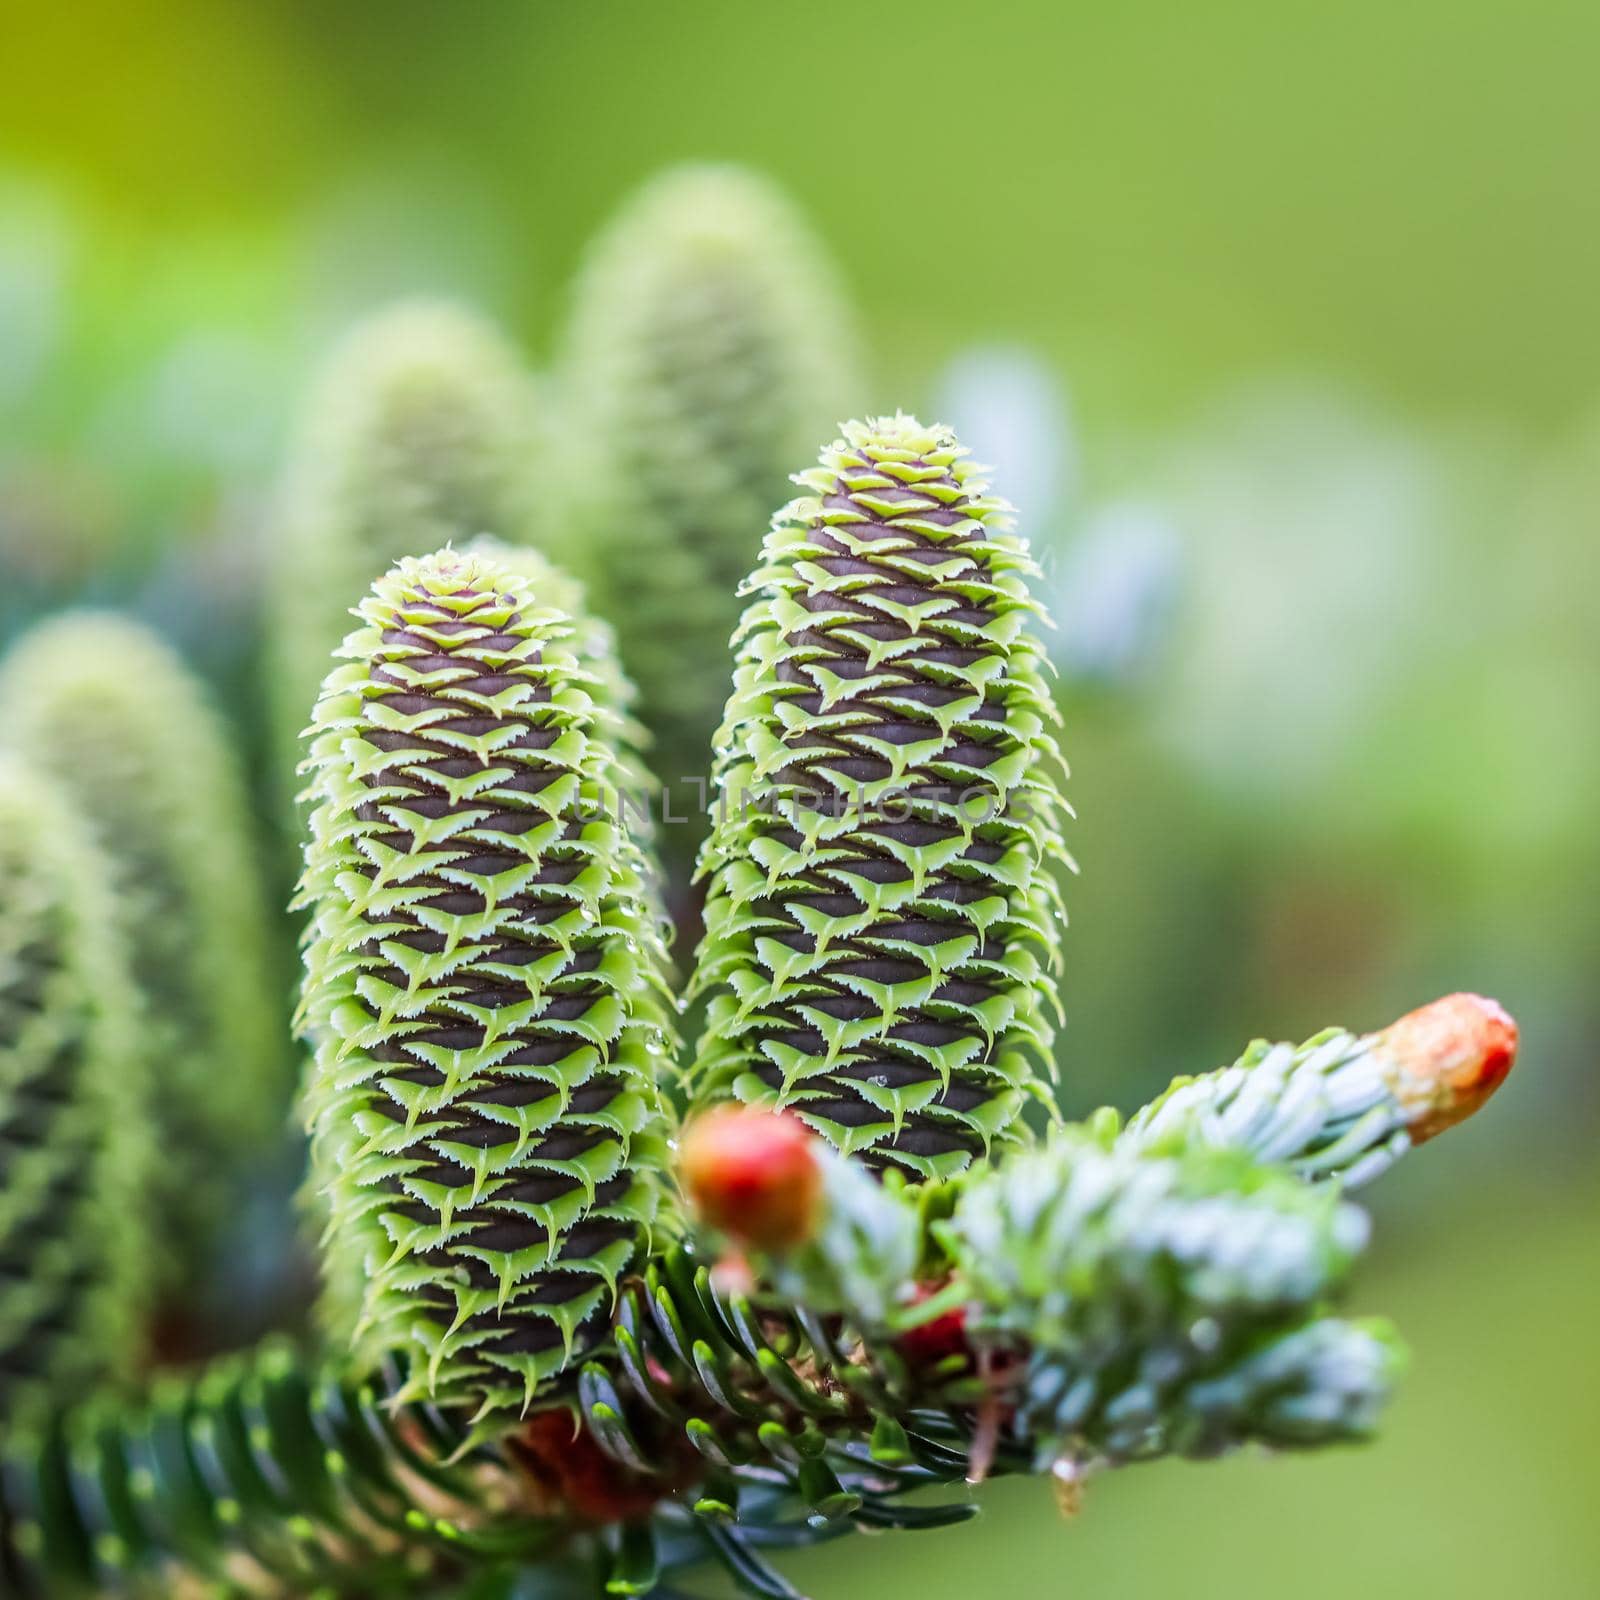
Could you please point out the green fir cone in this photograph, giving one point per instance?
(710, 347)
(485, 984)
(103, 705)
(883, 918)
(422, 430)
(593, 644)
(76, 1259)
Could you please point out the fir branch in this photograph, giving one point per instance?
(1110, 1297)
(1342, 1105)
(1334, 1112)
(1118, 1294)
(259, 1476)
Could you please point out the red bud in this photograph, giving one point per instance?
(571, 1476)
(753, 1175)
(929, 1343)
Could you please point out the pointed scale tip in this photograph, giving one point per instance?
(899, 430)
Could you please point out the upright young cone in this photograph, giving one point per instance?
(421, 430)
(593, 644)
(485, 982)
(75, 1221)
(883, 917)
(111, 713)
(709, 349)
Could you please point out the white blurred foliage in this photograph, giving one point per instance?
(1111, 570)
(1111, 592)
(1010, 409)
(1540, 646)
(1317, 535)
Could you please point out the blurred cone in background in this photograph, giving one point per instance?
(100, 703)
(710, 347)
(421, 431)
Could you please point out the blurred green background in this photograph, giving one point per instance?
(1311, 296)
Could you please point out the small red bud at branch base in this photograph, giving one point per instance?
(569, 1475)
(754, 1176)
(926, 1344)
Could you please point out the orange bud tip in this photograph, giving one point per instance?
(753, 1175)
(1446, 1059)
